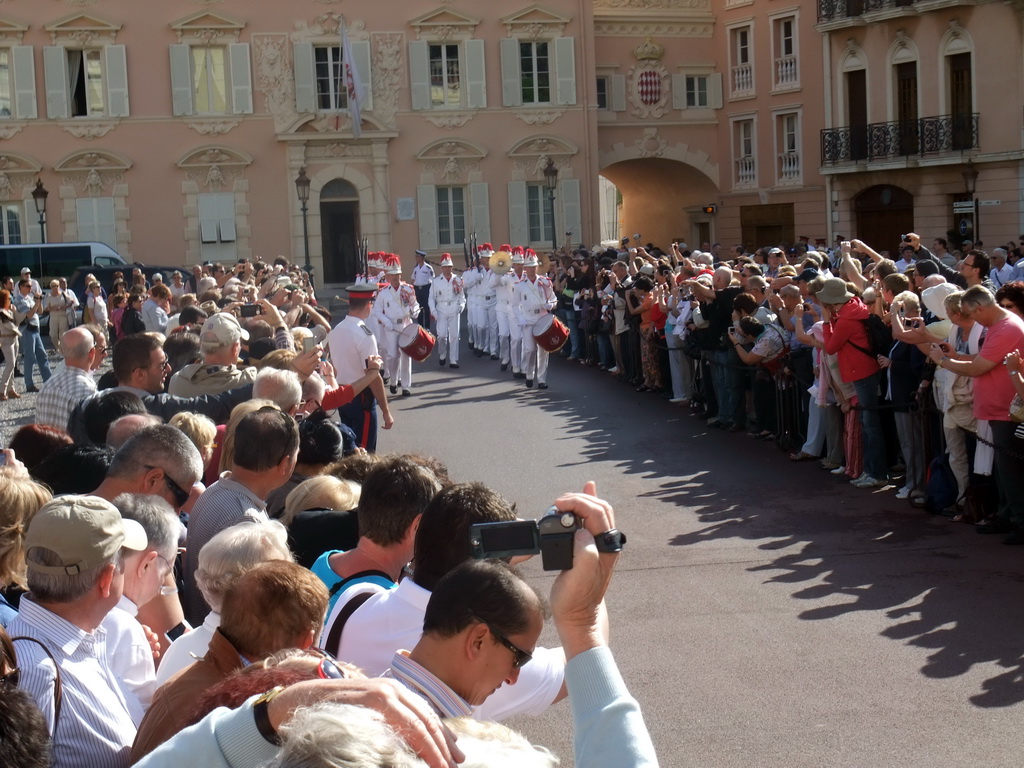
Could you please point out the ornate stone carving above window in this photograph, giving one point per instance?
(534, 23)
(213, 166)
(451, 160)
(444, 24)
(11, 32)
(539, 117)
(82, 29)
(206, 27)
(531, 155)
(18, 174)
(88, 129)
(213, 126)
(93, 173)
(449, 119)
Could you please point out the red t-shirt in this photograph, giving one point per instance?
(993, 390)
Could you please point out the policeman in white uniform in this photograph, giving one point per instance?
(396, 307)
(351, 344)
(535, 297)
(422, 277)
(447, 300)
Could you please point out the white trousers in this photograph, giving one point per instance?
(448, 337)
(535, 358)
(397, 364)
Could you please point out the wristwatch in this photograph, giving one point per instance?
(262, 717)
(611, 540)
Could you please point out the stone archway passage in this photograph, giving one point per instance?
(661, 199)
(883, 213)
(339, 227)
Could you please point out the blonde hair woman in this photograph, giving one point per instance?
(20, 498)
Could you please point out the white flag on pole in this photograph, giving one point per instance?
(352, 82)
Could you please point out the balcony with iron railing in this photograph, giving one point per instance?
(837, 10)
(847, 13)
(902, 138)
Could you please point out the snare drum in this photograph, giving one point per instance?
(416, 341)
(550, 333)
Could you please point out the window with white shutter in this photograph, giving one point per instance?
(95, 217)
(217, 233)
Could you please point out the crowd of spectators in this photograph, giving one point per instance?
(185, 527)
(893, 369)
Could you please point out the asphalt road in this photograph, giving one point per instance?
(764, 613)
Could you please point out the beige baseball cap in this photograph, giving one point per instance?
(222, 328)
(84, 531)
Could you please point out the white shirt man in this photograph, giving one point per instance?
(534, 297)
(352, 343)
(447, 300)
(84, 534)
(70, 385)
(396, 308)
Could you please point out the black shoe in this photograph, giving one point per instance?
(406, 393)
(31, 389)
(441, 362)
(529, 384)
(454, 365)
(542, 385)
(504, 366)
(494, 357)
(471, 345)
(394, 389)
(478, 352)
(18, 373)
(994, 525)
(1014, 539)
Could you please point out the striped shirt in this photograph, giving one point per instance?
(95, 729)
(444, 701)
(225, 503)
(61, 393)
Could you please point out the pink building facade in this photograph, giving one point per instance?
(174, 131)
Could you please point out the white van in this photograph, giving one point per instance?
(49, 260)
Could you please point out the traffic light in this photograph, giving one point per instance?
(710, 208)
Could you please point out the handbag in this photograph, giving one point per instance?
(1017, 409)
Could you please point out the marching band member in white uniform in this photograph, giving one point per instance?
(535, 297)
(447, 300)
(396, 307)
(503, 287)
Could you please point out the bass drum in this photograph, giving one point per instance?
(416, 341)
(550, 333)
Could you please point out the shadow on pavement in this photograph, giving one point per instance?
(839, 549)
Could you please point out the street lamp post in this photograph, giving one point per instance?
(302, 188)
(970, 174)
(551, 180)
(39, 195)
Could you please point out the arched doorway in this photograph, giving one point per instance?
(339, 227)
(883, 214)
(660, 199)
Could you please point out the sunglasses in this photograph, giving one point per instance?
(179, 493)
(519, 656)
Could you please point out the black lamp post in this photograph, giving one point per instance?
(302, 188)
(39, 195)
(551, 180)
(970, 174)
